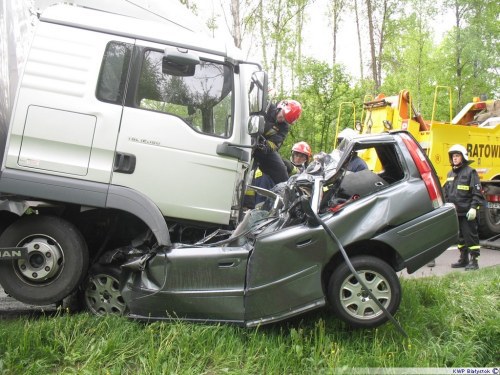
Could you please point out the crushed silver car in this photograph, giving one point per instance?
(297, 251)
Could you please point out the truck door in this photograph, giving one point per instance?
(173, 121)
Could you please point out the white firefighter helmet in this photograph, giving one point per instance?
(458, 149)
(345, 136)
(347, 133)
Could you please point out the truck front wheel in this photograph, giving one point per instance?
(56, 264)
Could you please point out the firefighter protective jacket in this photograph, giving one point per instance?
(275, 132)
(463, 189)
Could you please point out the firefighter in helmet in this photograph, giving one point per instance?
(356, 164)
(299, 158)
(278, 120)
(463, 189)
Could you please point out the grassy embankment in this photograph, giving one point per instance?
(452, 321)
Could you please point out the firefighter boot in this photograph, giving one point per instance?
(464, 259)
(472, 265)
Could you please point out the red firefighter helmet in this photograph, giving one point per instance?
(291, 110)
(303, 148)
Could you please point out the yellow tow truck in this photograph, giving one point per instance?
(476, 126)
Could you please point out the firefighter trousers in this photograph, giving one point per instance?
(272, 164)
(468, 237)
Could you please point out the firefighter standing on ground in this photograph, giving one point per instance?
(463, 189)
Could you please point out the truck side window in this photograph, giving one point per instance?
(203, 100)
(113, 75)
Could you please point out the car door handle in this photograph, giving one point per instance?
(304, 243)
(228, 263)
(124, 163)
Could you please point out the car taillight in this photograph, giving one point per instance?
(425, 170)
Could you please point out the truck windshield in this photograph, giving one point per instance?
(203, 100)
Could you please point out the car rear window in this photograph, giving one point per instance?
(384, 169)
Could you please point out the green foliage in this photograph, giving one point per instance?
(465, 61)
(408, 56)
(452, 321)
(322, 89)
(469, 54)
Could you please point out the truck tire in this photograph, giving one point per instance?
(57, 260)
(489, 222)
(351, 304)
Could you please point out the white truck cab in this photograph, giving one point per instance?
(125, 116)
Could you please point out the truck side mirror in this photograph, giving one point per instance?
(257, 95)
(256, 125)
(179, 62)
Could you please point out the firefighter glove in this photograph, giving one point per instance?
(471, 214)
(267, 146)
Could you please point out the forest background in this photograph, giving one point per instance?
(392, 44)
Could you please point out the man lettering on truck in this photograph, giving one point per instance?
(463, 189)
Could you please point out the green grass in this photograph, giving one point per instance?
(452, 321)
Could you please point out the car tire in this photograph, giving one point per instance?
(57, 260)
(102, 293)
(351, 304)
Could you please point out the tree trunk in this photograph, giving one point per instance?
(335, 11)
(359, 40)
(277, 46)
(372, 45)
(263, 36)
(458, 53)
(235, 13)
(381, 44)
(297, 60)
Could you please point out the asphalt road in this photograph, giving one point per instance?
(488, 258)
(10, 308)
